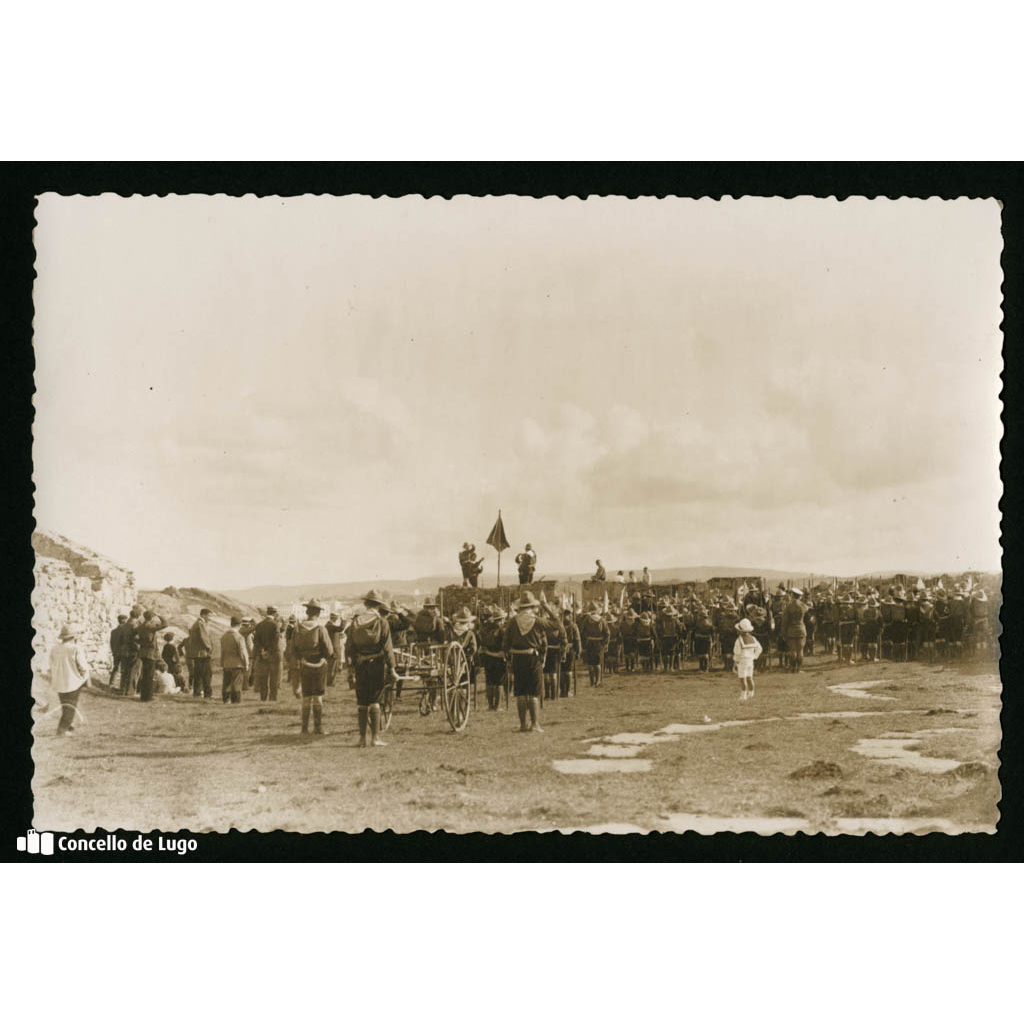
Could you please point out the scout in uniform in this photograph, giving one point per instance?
(311, 646)
(793, 629)
(571, 652)
(463, 630)
(525, 645)
(372, 661)
(646, 637)
(594, 635)
(493, 656)
(668, 631)
(553, 657)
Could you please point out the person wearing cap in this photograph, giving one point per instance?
(794, 630)
(146, 635)
(525, 645)
(594, 637)
(234, 662)
(372, 657)
(492, 655)
(69, 674)
(267, 651)
(201, 648)
(312, 648)
(746, 650)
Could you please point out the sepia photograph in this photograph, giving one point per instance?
(501, 514)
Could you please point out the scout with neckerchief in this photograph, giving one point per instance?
(373, 663)
(526, 646)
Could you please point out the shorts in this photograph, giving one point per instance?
(552, 659)
(494, 670)
(371, 681)
(592, 651)
(312, 680)
(526, 674)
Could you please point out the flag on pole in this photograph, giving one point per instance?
(497, 538)
(606, 602)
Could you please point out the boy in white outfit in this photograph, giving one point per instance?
(746, 651)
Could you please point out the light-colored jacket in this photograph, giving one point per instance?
(68, 668)
(744, 655)
(232, 650)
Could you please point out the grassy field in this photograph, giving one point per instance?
(642, 752)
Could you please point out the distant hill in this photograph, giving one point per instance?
(408, 589)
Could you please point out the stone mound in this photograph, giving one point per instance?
(818, 770)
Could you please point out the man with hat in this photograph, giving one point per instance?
(869, 627)
(571, 651)
(555, 635)
(312, 648)
(525, 646)
(492, 655)
(267, 654)
(372, 661)
(725, 619)
(428, 624)
(594, 635)
(200, 650)
(846, 628)
(668, 632)
(335, 632)
(69, 673)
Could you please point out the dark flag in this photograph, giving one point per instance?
(498, 541)
(497, 538)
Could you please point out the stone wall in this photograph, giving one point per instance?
(76, 585)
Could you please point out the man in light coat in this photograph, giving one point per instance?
(69, 673)
(234, 662)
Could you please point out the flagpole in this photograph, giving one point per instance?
(499, 556)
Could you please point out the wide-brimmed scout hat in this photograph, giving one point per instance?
(744, 626)
(430, 603)
(271, 610)
(374, 596)
(312, 605)
(463, 615)
(527, 600)
(594, 608)
(68, 631)
(797, 592)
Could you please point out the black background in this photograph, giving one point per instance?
(20, 183)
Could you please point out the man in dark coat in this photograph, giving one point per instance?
(201, 650)
(146, 635)
(368, 643)
(526, 647)
(526, 560)
(571, 652)
(116, 646)
(267, 653)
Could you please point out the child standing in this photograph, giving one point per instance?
(746, 651)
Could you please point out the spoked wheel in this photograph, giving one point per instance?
(455, 680)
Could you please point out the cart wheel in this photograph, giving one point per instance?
(387, 705)
(455, 680)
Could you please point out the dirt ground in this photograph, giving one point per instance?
(640, 753)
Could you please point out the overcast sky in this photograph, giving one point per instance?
(234, 392)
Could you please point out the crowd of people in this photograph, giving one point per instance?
(531, 648)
